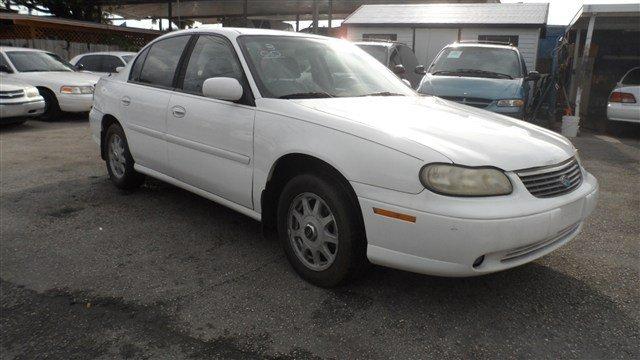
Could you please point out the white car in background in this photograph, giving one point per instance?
(348, 163)
(62, 87)
(102, 63)
(624, 101)
(18, 102)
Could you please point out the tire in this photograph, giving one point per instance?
(51, 106)
(119, 160)
(308, 242)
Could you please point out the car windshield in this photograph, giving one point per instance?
(377, 51)
(127, 58)
(478, 62)
(290, 67)
(32, 61)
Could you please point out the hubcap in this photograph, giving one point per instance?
(312, 231)
(115, 152)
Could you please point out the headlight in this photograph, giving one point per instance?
(510, 103)
(447, 179)
(68, 89)
(31, 92)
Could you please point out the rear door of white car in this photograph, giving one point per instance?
(210, 141)
(144, 100)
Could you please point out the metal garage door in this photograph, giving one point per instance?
(428, 42)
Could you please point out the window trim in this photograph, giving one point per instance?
(247, 99)
(149, 46)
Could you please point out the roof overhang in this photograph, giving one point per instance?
(608, 17)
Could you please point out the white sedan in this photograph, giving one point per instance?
(624, 101)
(323, 144)
(62, 87)
(18, 102)
(102, 63)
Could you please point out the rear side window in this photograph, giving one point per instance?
(134, 75)
(160, 66)
(408, 58)
(632, 78)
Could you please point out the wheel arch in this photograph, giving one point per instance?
(285, 168)
(107, 120)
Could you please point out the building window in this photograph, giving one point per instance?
(507, 39)
(385, 37)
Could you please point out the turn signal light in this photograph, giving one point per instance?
(622, 97)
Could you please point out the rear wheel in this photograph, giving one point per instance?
(119, 160)
(320, 227)
(51, 106)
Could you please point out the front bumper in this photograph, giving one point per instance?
(22, 109)
(447, 241)
(75, 102)
(512, 111)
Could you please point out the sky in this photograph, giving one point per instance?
(560, 12)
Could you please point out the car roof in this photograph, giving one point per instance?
(484, 45)
(232, 32)
(116, 53)
(13, 48)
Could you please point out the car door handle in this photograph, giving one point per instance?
(125, 101)
(178, 111)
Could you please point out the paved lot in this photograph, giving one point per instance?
(89, 271)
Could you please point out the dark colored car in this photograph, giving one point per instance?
(488, 76)
(396, 56)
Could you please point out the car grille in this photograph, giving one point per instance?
(11, 94)
(523, 251)
(555, 180)
(475, 102)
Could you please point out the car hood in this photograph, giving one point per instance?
(7, 84)
(465, 135)
(487, 88)
(58, 78)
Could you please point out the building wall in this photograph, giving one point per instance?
(527, 41)
(405, 34)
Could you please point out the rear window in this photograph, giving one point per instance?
(377, 51)
(632, 78)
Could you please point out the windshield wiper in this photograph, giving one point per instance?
(484, 72)
(445, 72)
(383, 93)
(307, 95)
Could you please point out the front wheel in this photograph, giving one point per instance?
(119, 160)
(320, 227)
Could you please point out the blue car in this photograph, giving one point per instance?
(488, 76)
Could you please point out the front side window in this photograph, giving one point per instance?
(162, 61)
(477, 62)
(211, 57)
(4, 64)
(632, 78)
(91, 63)
(300, 67)
(36, 61)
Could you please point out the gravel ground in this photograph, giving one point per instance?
(88, 271)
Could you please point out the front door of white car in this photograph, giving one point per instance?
(145, 98)
(210, 141)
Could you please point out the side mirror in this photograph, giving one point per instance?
(406, 82)
(79, 67)
(222, 88)
(420, 69)
(5, 69)
(399, 69)
(119, 68)
(533, 76)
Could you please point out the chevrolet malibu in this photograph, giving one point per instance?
(338, 157)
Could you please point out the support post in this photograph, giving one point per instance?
(330, 13)
(584, 74)
(169, 14)
(316, 16)
(574, 64)
(245, 11)
(297, 22)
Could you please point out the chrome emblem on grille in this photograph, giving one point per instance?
(565, 181)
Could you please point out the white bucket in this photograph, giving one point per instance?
(570, 125)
